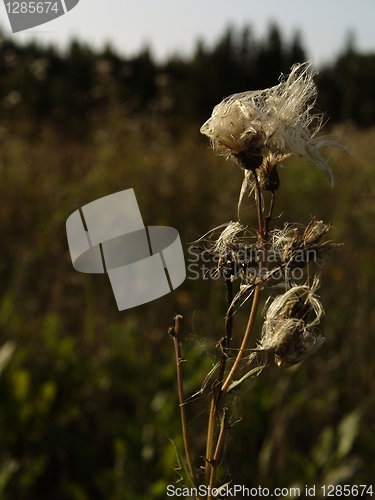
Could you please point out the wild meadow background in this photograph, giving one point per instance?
(88, 400)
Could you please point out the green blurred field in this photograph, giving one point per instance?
(88, 397)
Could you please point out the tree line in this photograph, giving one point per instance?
(42, 83)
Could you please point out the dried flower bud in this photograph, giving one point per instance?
(267, 174)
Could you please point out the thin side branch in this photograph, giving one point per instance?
(175, 334)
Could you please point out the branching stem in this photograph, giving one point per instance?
(216, 395)
(262, 228)
(218, 450)
(245, 341)
(222, 387)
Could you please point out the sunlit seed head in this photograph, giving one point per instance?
(278, 121)
(315, 232)
(296, 248)
(288, 327)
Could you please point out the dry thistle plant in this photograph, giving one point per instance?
(258, 130)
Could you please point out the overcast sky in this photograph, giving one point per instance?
(171, 26)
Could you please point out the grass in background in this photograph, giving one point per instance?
(88, 397)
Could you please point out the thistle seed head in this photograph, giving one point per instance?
(298, 249)
(272, 123)
(232, 252)
(229, 237)
(314, 232)
(288, 327)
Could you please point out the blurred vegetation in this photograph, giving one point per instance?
(74, 89)
(88, 393)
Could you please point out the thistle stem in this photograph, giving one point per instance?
(219, 447)
(261, 222)
(175, 334)
(269, 216)
(216, 395)
(245, 340)
(222, 387)
(262, 227)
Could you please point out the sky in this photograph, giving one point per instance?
(174, 26)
